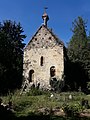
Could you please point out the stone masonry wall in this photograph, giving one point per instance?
(43, 44)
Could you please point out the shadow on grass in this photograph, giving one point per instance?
(12, 116)
(48, 117)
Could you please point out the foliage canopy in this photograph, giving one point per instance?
(79, 54)
(11, 55)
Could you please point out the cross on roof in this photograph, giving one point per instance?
(45, 9)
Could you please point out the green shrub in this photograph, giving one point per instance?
(84, 103)
(22, 105)
(72, 110)
(88, 85)
(35, 92)
(56, 84)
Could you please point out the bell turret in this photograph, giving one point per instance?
(45, 17)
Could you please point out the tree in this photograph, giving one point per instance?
(78, 53)
(78, 41)
(11, 55)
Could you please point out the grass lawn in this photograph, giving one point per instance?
(33, 104)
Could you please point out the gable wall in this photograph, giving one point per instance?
(52, 53)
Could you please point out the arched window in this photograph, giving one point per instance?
(31, 75)
(52, 71)
(41, 61)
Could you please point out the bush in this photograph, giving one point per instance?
(72, 110)
(21, 105)
(56, 84)
(84, 103)
(35, 92)
(88, 86)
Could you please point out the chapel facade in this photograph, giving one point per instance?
(43, 57)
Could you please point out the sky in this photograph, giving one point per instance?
(61, 15)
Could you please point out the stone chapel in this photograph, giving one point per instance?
(43, 57)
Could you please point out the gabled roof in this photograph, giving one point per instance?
(50, 31)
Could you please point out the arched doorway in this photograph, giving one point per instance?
(52, 71)
(31, 75)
